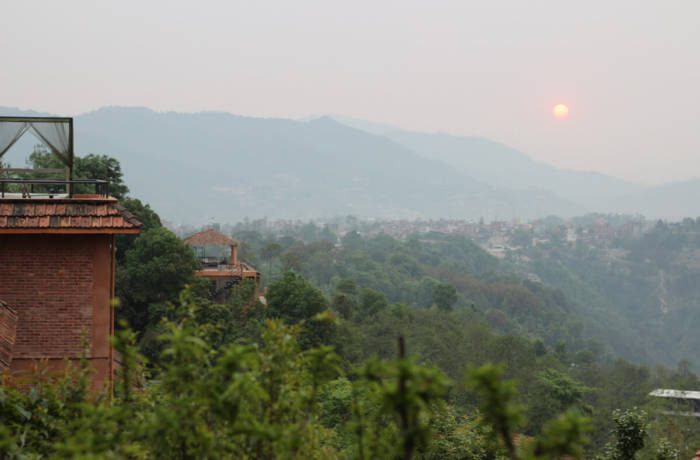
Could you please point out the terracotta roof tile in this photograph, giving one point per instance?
(69, 214)
(210, 237)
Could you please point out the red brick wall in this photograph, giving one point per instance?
(51, 280)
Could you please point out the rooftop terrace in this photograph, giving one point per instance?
(218, 255)
(30, 188)
(57, 134)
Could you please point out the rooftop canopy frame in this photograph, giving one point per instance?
(55, 132)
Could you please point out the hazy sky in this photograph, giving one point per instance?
(628, 70)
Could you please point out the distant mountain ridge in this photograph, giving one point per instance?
(502, 166)
(196, 166)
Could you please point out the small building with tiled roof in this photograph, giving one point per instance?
(218, 256)
(57, 268)
(57, 260)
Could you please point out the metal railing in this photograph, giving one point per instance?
(51, 187)
(222, 267)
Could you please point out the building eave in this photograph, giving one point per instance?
(70, 231)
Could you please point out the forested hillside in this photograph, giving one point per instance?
(645, 286)
(449, 272)
(624, 284)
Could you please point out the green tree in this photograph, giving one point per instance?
(629, 433)
(295, 300)
(271, 250)
(295, 256)
(371, 303)
(444, 296)
(553, 393)
(498, 405)
(410, 392)
(353, 241)
(156, 269)
(102, 167)
(144, 214)
(345, 298)
(560, 437)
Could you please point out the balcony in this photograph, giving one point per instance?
(51, 188)
(216, 263)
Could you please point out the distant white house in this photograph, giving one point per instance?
(684, 403)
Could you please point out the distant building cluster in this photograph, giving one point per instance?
(498, 237)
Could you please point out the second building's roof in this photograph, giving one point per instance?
(210, 237)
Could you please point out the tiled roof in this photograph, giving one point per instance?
(79, 214)
(8, 330)
(210, 237)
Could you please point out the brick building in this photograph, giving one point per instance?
(57, 261)
(57, 275)
(218, 255)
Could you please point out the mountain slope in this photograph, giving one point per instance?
(232, 166)
(668, 201)
(502, 166)
(193, 167)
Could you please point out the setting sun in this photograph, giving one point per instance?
(560, 111)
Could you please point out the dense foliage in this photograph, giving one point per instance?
(261, 395)
(270, 399)
(636, 293)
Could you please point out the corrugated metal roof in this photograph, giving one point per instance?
(678, 394)
(210, 237)
(69, 214)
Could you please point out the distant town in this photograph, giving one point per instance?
(497, 237)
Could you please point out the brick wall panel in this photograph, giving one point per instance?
(48, 280)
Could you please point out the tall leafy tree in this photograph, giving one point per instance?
(444, 296)
(155, 270)
(148, 218)
(629, 435)
(271, 250)
(295, 300)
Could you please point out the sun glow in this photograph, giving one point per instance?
(560, 111)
